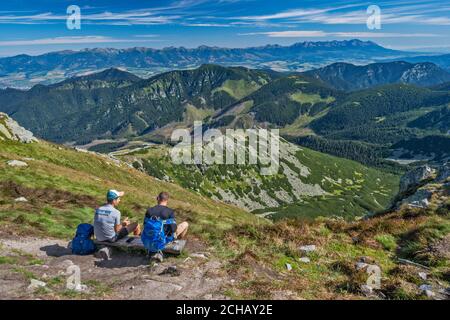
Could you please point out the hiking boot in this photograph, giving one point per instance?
(103, 253)
(157, 257)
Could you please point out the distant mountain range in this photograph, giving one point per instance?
(23, 71)
(309, 108)
(116, 103)
(348, 77)
(442, 60)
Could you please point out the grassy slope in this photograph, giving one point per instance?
(362, 188)
(238, 88)
(79, 173)
(353, 189)
(255, 252)
(331, 274)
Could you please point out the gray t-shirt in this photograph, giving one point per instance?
(105, 219)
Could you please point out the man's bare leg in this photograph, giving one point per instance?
(182, 229)
(134, 228)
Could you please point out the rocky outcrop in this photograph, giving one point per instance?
(11, 130)
(420, 199)
(415, 178)
(423, 185)
(444, 173)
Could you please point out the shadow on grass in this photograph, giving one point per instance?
(55, 250)
(123, 260)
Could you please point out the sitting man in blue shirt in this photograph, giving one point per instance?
(107, 225)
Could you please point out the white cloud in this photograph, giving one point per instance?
(146, 17)
(67, 40)
(222, 25)
(431, 13)
(319, 33)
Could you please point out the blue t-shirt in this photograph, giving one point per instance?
(105, 219)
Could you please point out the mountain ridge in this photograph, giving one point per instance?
(19, 71)
(350, 77)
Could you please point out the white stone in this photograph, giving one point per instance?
(65, 264)
(21, 199)
(36, 284)
(17, 163)
(81, 288)
(199, 255)
(288, 267)
(361, 265)
(308, 248)
(304, 260)
(423, 275)
(429, 293)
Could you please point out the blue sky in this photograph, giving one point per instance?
(38, 26)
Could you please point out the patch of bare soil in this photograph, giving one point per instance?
(57, 198)
(126, 276)
(442, 248)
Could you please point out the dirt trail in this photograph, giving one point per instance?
(125, 276)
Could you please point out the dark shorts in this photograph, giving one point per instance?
(122, 234)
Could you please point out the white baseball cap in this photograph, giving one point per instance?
(114, 194)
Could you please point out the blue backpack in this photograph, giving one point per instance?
(153, 237)
(82, 244)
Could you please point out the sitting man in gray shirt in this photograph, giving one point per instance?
(107, 226)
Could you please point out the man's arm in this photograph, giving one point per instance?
(173, 226)
(117, 225)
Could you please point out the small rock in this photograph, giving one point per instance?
(21, 199)
(66, 263)
(81, 288)
(423, 275)
(17, 163)
(288, 267)
(425, 287)
(445, 291)
(429, 293)
(132, 287)
(361, 265)
(366, 259)
(366, 289)
(304, 260)
(36, 284)
(308, 248)
(44, 266)
(199, 255)
(427, 290)
(172, 271)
